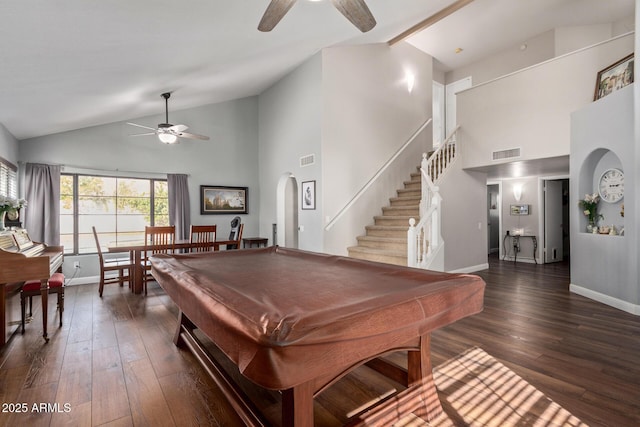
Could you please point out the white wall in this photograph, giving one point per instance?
(464, 219)
(230, 157)
(568, 39)
(290, 127)
(545, 46)
(602, 266)
(368, 114)
(530, 109)
(8, 145)
(538, 49)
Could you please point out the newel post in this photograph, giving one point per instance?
(412, 242)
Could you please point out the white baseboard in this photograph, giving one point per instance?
(606, 299)
(471, 269)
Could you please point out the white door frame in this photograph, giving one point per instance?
(542, 244)
(500, 235)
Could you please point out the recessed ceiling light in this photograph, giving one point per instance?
(458, 50)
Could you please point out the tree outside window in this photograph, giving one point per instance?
(118, 207)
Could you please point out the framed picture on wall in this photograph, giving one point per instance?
(223, 200)
(614, 77)
(309, 195)
(519, 209)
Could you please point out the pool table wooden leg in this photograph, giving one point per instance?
(420, 376)
(297, 406)
(184, 325)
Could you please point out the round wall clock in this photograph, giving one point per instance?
(13, 215)
(611, 185)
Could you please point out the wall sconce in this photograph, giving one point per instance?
(411, 81)
(517, 192)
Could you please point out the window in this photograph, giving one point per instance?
(118, 207)
(8, 179)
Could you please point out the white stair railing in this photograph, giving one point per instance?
(424, 239)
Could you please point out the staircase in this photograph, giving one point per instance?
(386, 240)
(393, 238)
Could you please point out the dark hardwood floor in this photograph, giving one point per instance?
(582, 354)
(113, 362)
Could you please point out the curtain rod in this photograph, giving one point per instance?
(105, 170)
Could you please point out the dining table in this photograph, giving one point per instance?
(137, 248)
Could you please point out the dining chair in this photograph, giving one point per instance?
(113, 264)
(157, 240)
(202, 238)
(236, 233)
(236, 238)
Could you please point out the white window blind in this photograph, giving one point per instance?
(8, 179)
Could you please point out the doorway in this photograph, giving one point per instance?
(451, 104)
(493, 218)
(556, 245)
(286, 232)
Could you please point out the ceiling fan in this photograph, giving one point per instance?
(355, 11)
(167, 132)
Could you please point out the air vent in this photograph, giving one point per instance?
(307, 160)
(505, 154)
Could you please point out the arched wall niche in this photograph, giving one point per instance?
(595, 164)
(287, 211)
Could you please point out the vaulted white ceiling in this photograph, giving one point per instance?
(73, 63)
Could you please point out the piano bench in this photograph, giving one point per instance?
(31, 288)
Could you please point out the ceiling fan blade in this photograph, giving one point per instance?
(143, 134)
(191, 136)
(140, 126)
(274, 13)
(357, 12)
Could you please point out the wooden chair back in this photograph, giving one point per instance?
(95, 236)
(160, 239)
(202, 238)
(118, 265)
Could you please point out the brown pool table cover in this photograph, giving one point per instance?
(287, 316)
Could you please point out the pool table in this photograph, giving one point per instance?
(297, 321)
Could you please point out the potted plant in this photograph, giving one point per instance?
(589, 206)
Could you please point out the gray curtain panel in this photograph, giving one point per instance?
(42, 192)
(179, 205)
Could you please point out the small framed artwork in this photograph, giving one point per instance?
(309, 195)
(223, 200)
(614, 77)
(519, 209)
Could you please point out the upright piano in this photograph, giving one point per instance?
(22, 259)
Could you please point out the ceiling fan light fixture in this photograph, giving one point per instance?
(167, 138)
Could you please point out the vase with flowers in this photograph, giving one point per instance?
(589, 206)
(8, 204)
